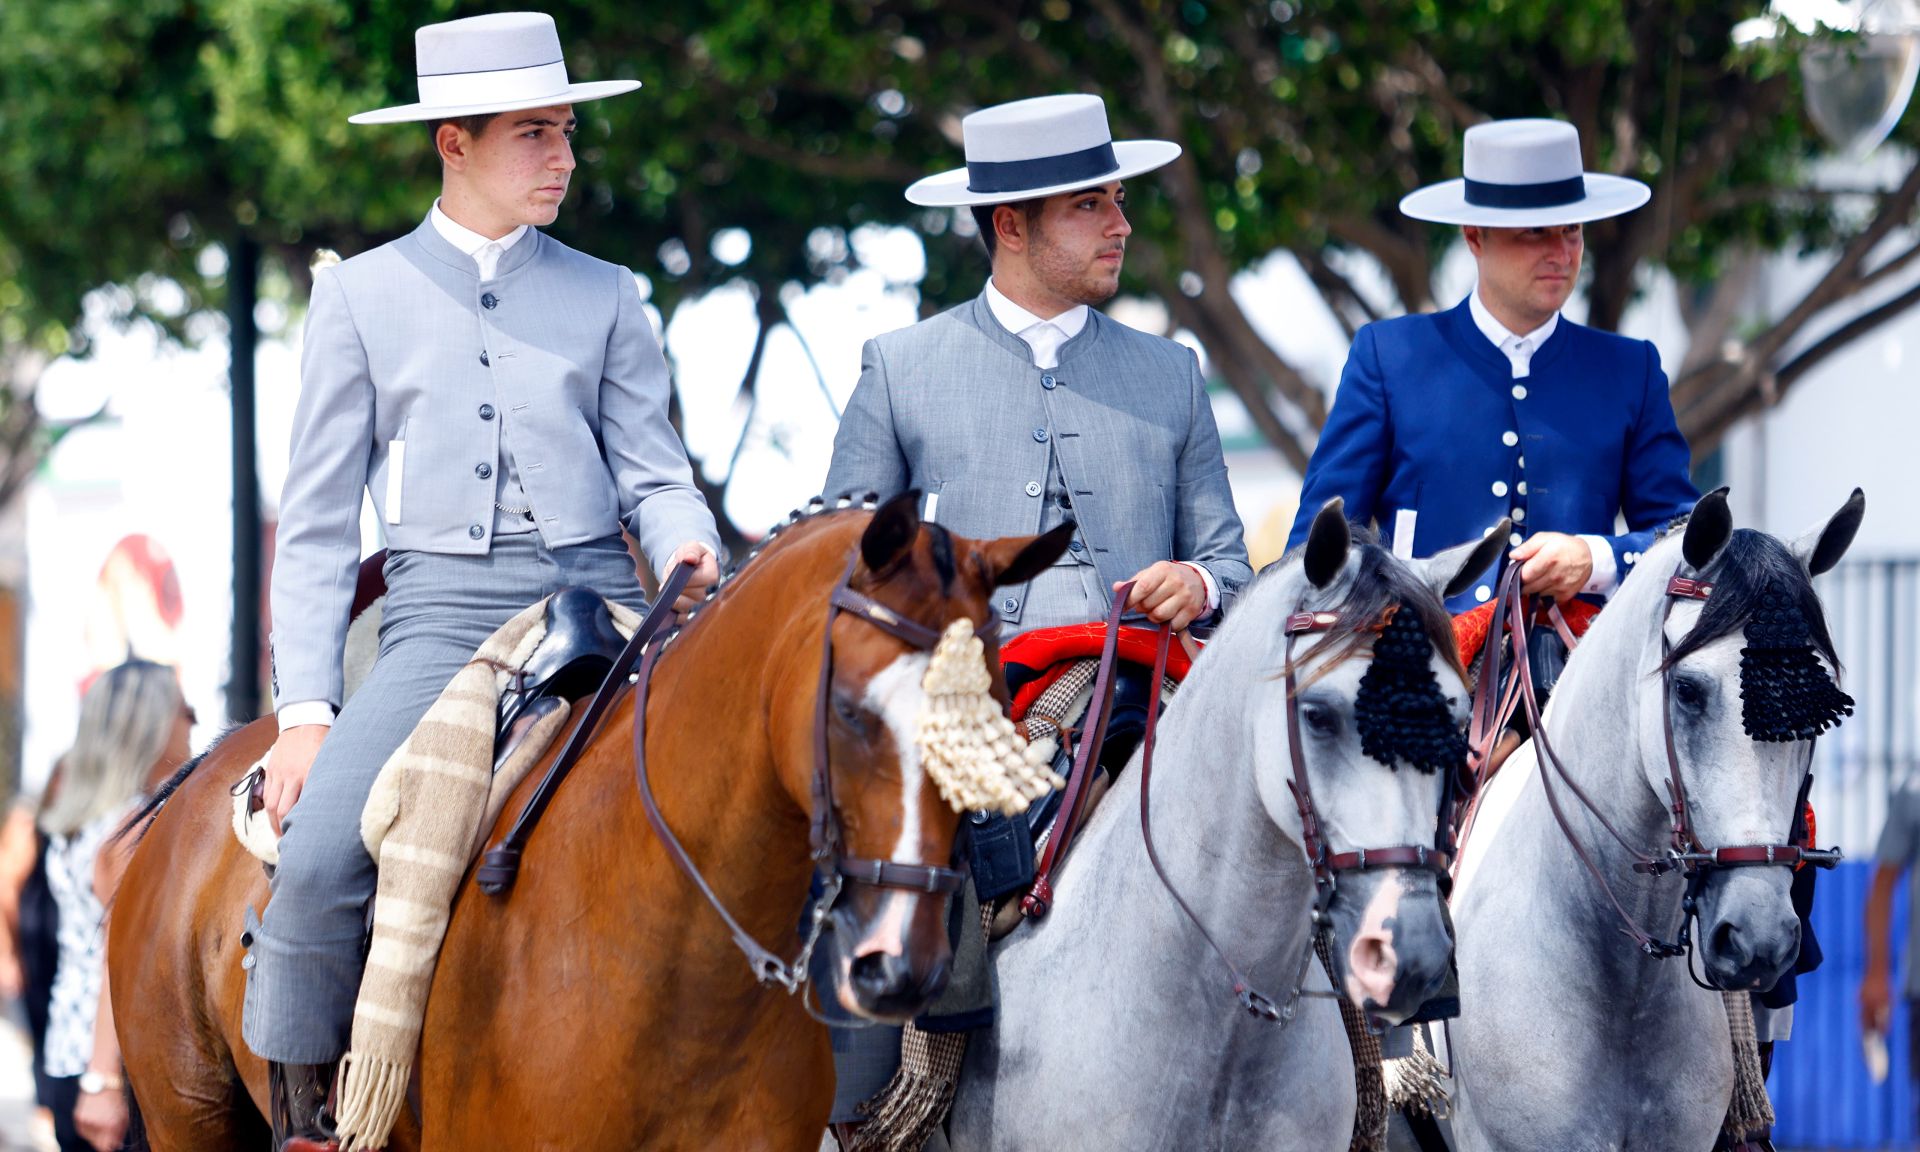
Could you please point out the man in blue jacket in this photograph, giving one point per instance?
(1501, 407)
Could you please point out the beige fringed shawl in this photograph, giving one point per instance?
(427, 817)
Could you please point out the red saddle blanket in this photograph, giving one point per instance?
(1470, 628)
(1034, 660)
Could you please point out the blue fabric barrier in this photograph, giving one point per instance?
(1821, 1090)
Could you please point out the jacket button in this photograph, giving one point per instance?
(1033, 488)
(483, 360)
(1076, 546)
(1040, 435)
(486, 411)
(483, 470)
(489, 300)
(474, 531)
(1010, 604)
(1047, 381)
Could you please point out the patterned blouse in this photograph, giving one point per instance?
(83, 944)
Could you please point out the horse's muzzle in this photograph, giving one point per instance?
(1749, 935)
(1392, 940)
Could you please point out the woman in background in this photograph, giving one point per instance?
(134, 728)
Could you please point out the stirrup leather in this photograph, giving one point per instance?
(299, 1096)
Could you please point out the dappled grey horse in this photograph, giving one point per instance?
(1572, 1036)
(1118, 1025)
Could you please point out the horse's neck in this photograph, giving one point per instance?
(1245, 881)
(1593, 729)
(711, 755)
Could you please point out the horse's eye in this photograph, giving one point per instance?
(848, 712)
(1320, 719)
(1690, 694)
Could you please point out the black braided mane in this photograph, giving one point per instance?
(1400, 711)
(1786, 693)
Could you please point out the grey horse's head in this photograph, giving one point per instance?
(1382, 702)
(1751, 672)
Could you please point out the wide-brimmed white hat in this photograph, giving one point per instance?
(1039, 147)
(1525, 174)
(498, 63)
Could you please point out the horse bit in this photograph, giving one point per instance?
(824, 836)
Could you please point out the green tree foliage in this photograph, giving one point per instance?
(138, 133)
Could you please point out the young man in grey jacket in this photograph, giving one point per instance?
(1026, 407)
(503, 400)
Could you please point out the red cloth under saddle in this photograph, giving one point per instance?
(1050, 650)
(1470, 628)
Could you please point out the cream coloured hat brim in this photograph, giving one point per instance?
(571, 94)
(1446, 203)
(949, 189)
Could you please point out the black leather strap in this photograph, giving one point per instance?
(500, 865)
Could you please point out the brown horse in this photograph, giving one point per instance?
(603, 1004)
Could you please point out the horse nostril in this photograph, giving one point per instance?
(880, 973)
(1727, 943)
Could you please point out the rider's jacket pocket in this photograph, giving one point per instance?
(396, 471)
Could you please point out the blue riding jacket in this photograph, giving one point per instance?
(1430, 419)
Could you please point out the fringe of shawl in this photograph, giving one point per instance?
(1749, 1112)
(1369, 1085)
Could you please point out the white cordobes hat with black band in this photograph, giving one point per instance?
(504, 62)
(1040, 147)
(1525, 174)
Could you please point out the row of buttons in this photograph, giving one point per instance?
(484, 470)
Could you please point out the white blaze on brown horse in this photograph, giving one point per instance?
(602, 1003)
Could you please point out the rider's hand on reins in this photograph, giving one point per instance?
(1554, 565)
(1168, 592)
(706, 573)
(287, 768)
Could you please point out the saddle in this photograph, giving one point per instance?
(572, 659)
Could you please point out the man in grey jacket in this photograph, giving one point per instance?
(1025, 408)
(503, 400)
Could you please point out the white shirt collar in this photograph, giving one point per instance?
(1043, 336)
(471, 242)
(1519, 350)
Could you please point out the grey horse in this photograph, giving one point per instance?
(1117, 1027)
(1571, 1037)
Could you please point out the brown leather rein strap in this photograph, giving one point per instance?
(500, 865)
(824, 830)
(1326, 865)
(1093, 735)
(1686, 854)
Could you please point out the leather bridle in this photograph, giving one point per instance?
(1685, 853)
(1327, 864)
(824, 835)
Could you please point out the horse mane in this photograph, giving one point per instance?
(1748, 570)
(1379, 585)
(817, 509)
(1760, 588)
(141, 818)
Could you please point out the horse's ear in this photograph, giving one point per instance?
(892, 531)
(1327, 543)
(1018, 559)
(1452, 571)
(1708, 529)
(1821, 547)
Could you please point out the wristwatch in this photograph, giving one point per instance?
(93, 1083)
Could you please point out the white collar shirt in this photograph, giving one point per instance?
(1044, 337)
(1518, 350)
(485, 252)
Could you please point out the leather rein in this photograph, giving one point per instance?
(1327, 864)
(825, 839)
(1685, 853)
